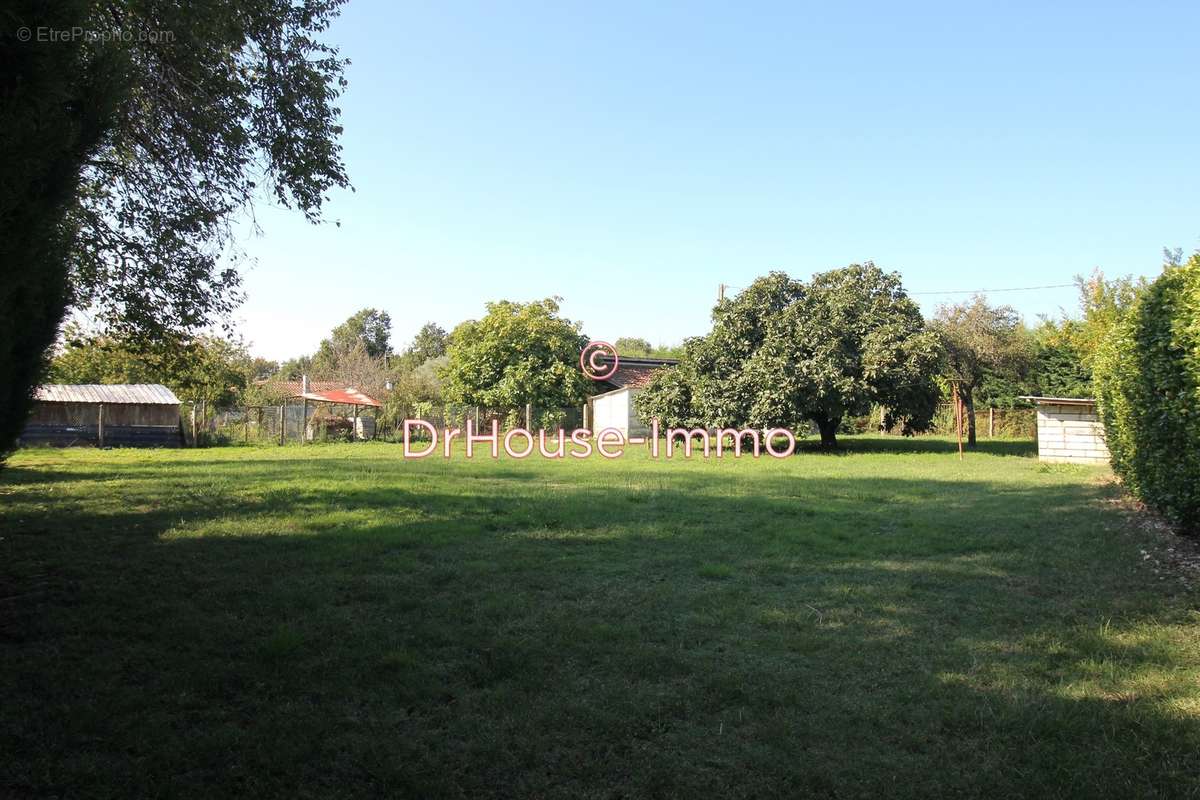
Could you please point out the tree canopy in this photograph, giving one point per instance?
(368, 329)
(981, 342)
(785, 352)
(205, 369)
(430, 342)
(518, 353)
(127, 157)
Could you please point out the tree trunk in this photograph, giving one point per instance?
(828, 429)
(969, 401)
(56, 110)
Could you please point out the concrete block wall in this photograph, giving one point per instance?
(1070, 434)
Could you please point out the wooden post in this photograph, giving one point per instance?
(477, 419)
(282, 406)
(100, 424)
(195, 443)
(354, 430)
(958, 417)
(585, 417)
(529, 416)
(304, 422)
(991, 422)
(246, 425)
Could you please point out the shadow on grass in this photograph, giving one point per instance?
(852, 445)
(762, 637)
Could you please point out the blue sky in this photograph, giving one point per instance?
(630, 158)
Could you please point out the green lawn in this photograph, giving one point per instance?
(331, 621)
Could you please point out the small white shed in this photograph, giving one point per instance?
(1069, 431)
(614, 408)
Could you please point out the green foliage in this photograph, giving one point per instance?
(126, 158)
(987, 352)
(1148, 385)
(1059, 368)
(430, 342)
(668, 396)
(636, 347)
(784, 352)
(415, 392)
(633, 347)
(368, 329)
(518, 353)
(1104, 303)
(204, 369)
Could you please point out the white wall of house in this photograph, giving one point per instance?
(615, 410)
(1070, 433)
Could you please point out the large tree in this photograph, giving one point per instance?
(126, 157)
(368, 330)
(786, 352)
(429, 343)
(518, 353)
(980, 340)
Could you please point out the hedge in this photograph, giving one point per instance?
(1147, 381)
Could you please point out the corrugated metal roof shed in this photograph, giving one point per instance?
(143, 393)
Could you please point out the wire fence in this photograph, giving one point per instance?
(297, 422)
(990, 423)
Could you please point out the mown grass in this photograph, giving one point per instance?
(332, 621)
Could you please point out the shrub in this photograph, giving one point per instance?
(1147, 382)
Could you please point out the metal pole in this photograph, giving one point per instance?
(100, 425)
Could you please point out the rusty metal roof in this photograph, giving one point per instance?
(138, 393)
(1059, 401)
(348, 396)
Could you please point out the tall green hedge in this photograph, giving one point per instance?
(1147, 381)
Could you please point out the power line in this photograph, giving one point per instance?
(725, 286)
(1013, 289)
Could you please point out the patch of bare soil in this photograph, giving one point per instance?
(1171, 556)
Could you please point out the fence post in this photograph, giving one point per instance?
(529, 416)
(991, 421)
(585, 416)
(195, 443)
(246, 425)
(282, 419)
(100, 424)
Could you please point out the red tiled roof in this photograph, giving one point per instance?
(634, 373)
